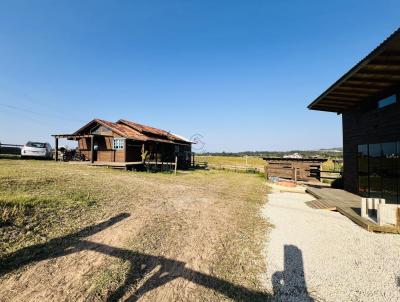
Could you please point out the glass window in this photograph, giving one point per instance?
(379, 171)
(387, 101)
(118, 143)
(388, 172)
(375, 180)
(363, 181)
(36, 145)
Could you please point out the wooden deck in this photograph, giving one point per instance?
(321, 204)
(347, 204)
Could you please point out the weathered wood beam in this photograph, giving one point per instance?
(333, 105)
(351, 87)
(328, 109)
(383, 65)
(349, 93)
(390, 53)
(382, 59)
(56, 146)
(125, 148)
(341, 101)
(92, 149)
(374, 72)
(342, 98)
(374, 81)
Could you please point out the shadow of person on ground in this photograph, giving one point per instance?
(53, 248)
(160, 270)
(290, 284)
(157, 270)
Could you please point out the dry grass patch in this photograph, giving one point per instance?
(196, 236)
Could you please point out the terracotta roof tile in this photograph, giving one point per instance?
(136, 131)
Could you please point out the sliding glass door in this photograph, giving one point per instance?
(363, 178)
(388, 172)
(378, 171)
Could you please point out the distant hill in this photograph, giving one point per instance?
(324, 153)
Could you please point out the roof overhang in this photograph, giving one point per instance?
(77, 136)
(374, 76)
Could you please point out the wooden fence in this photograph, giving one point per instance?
(306, 169)
(236, 168)
(294, 169)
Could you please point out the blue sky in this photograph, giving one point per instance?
(240, 73)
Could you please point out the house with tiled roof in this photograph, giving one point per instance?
(129, 143)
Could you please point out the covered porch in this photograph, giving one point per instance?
(128, 154)
(89, 149)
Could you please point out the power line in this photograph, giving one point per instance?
(24, 116)
(33, 101)
(39, 113)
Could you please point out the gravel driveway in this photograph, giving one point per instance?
(322, 255)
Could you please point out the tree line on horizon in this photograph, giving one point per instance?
(323, 153)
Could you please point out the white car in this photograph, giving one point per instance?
(38, 150)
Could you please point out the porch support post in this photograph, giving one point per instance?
(156, 148)
(56, 146)
(126, 148)
(143, 159)
(92, 149)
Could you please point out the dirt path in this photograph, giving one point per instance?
(164, 239)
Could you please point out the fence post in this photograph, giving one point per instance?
(176, 164)
(56, 146)
(92, 149)
(364, 208)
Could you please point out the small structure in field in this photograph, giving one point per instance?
(294, 168)
(127, 144)
(294, 155)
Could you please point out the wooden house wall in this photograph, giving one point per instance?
(104, 152)
(162, 152)
(366, 126)
(84, 147)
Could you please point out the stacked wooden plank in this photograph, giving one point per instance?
(294, 169)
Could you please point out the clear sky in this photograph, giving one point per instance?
(240, 73)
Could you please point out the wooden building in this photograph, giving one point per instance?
(128, 142)
(367, 97)
(294, 168)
